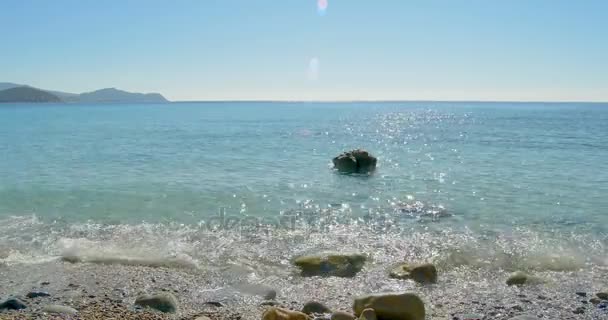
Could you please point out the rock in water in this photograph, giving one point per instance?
(392, 306)
(331, 264)
(164, 302)
(12, 304)
(311, 307)
(355, 161)
(275, 313)
(53, 308)
(421, 273)
(519, 278)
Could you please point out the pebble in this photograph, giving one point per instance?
(517, 308)
(12, 304)
(164, 302)
(59, 309)
(579, 310)
(595, 300)
(311, 307)
(37, 294)
(581, 294)
(602, 295)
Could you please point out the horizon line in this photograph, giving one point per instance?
(378, 101)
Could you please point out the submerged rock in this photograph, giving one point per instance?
(421, 273)
(53, 308)
(165, 302)
(392, 306)
(311, 307)
(602, 295)
(519, 278)
(12, 304)
(275, 313)
(341, 315)
(355, 161)
(330, 264)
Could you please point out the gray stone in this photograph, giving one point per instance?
(392, 306)
(330, 264)
(311, 307)
(421, 273)
(519, 278)
(165, 302)
(355, 161)
(12, 304)
(53, 308)
(524, 317)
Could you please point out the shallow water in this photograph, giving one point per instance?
(241, 188)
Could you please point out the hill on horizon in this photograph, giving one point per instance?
(112, 95)
(27, 94)
(107, 95)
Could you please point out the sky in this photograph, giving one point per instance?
(517, 50)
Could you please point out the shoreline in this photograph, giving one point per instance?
(101, 291)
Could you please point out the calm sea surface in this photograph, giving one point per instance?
(515, 177)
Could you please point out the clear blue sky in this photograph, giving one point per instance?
(289, 49)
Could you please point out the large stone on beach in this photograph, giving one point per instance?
(355, 161)
(519, 278)
(164, 302)
(421, 273)
(311, 307)
(341, 315)
(368, 314)
(57, 309)
(330, 264)
(392, 306)
(275, 313)
(12, 304)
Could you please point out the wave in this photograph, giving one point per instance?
(267, 251)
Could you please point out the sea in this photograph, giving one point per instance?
(480, 189)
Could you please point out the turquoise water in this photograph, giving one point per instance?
(531, 173)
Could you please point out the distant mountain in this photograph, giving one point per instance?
(110, 95)
(8, 85)
(113, 95)
(27, 94)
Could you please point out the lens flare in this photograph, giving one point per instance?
(322, 7)
(313, 69)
